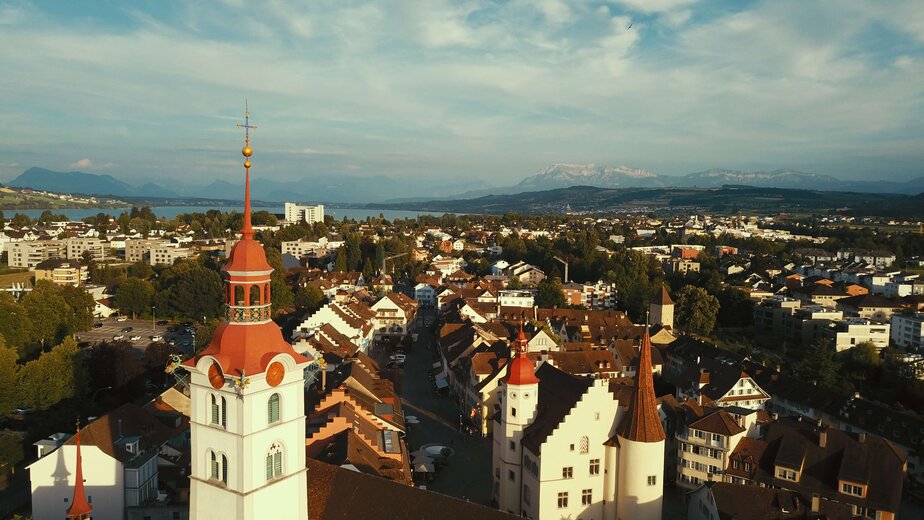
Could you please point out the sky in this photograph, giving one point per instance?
(481, 91)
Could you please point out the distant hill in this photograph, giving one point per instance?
(566, 175)
(725, 199)
(71, 182)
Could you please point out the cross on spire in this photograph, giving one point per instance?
(247, 151)
(246, 126)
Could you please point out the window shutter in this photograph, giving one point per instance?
(277, 463)
(269, 466)
(224, 412)
(224, 469)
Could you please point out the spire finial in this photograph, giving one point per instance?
(247, 151)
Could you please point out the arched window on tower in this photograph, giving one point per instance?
(255, 295)
(266, 293)
(218, 466)
(219, 410)
(238, 295)
(272, 409)
(274, 461)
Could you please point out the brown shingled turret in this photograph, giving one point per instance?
(642, 423)
(665, 297)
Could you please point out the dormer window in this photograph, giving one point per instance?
(786, 474)
(852, 489)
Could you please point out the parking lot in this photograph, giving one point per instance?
(112, 328)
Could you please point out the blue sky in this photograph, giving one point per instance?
(483, 90)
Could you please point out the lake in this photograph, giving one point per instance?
(173, 211)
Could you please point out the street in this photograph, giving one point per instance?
(467, 474)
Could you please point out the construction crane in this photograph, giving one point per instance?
(565, 262)
(387, 258)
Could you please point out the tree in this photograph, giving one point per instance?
(9, 369)
(695, 310)
(46, 303)
(15, 325)
(140, 269)
(549, 294)
(134, 296)
(114, 364)
(819, 365)
(514, 283)
(309, 299)
(11, 452)
(81, 306)
(282, 294)
(340, 264)
(191, 291)
(156, 356)
(56, 375)
(367, 269)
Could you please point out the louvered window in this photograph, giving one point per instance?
(274, 462)
(273, 409)
(216, 413)
(224, 412)
(214, 465)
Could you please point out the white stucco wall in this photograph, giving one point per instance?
(53, 483)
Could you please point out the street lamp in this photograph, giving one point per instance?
(98, 390)
(154, 318)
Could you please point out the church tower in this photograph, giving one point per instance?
(247, 415)
(662, 310)
(518, 400)
(640, 485)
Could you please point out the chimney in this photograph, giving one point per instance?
(816, 503)
(823, 439)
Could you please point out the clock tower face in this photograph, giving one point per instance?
(274, 373)
(216, 377)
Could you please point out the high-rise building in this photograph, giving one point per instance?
(309, 214)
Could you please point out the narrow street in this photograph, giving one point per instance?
(467, 474)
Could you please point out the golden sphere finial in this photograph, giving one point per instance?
(247, 151)
(246, 164)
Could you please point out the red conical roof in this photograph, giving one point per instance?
(642, 423)
(520, 370)
(80, 508)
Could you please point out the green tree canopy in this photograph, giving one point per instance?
(549, 293)
(820, 365)
(114, 364)
(141, 269)
(190, 290)
(15, 325)
(695, 310)
(46, 302)
(134, 296)
(56, 375)
(9, 370)
(309, 299)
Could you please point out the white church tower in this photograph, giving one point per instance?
(518, 400)
(640, 484)
(247, 417)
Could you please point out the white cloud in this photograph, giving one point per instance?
(654, 6)
(82, 163)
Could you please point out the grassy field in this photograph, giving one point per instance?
(8, 278)
(11, 200)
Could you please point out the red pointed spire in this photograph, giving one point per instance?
(642, 423)
(80, 508)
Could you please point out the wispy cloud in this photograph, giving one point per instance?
(469, 87)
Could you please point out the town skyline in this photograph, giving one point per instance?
(485, 91)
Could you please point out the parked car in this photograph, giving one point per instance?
(127, 329)
(122, 318)
(157, 337)
(136, 337)
(118, 337)
(398, 357)
(98, 325)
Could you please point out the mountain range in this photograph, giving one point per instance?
(380, 188)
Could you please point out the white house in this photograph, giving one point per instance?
(119, 452)
(425, 294)
(394, 315)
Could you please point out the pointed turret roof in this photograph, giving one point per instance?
(521, 371)
(642, 423)
(665, 297)
(80, 507)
